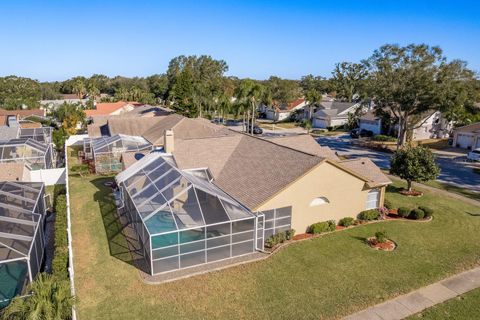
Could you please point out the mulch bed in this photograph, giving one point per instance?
(303, 236)
(413, 193)
(389, 245)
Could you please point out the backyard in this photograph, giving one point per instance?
(324, 278)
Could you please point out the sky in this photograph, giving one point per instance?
(56, 40)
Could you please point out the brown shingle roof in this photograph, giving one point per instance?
(250, 169)
(305, 143)
(367, 169)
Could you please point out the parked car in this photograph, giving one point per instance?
(474, 155)
(357, 133)
(256, 129)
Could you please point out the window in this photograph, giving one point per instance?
(319, 201)
(373, 199)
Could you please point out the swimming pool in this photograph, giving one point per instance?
(12, 279)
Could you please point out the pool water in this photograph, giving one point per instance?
(12, 278)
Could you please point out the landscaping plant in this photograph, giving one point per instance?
(381, 236)
(403, 212)
(289, 234)
(427, 211)
(368, 215)
(321, 227)
(416, 214)
(346, 222)
(414, 164)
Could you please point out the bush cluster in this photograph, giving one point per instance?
(381, 137)
(60, 259)
(368, 215)
(279, 237)
(346, 222)
(321, 227)
(428, 211)
(403, 212)
(416, 214)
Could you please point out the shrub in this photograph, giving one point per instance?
(427, 210)
(381, 236)
(321, 227)
(416, 214)
(368, 215)
(346, 222)
(289, 234)
(60, 258)
(275, 239)
(403, 212)
(388, 204)
(381, 137)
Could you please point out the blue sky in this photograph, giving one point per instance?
(55, 40)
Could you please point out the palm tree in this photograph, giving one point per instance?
(313, 98)
(250, 92)
(93, 91)
(79, 88)
(50, 298)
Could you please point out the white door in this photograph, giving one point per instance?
(464, 141)
(478, 143)
(373, 199)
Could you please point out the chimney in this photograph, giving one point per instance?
(168, 144)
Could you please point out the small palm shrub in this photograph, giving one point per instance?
(381, 236)
(346, 222)
(289, 234)
(51, 299)
(368, 215)
(403, 212)
(321, 227)
(416, 214)
(427, 210)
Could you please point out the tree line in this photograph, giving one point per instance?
(403, 82)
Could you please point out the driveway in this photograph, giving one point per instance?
(454, 169)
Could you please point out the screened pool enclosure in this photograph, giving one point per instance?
(181, 218)
(22, 210)
(106, 151)
(34, 154)
(43, 134)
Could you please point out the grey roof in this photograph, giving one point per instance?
(305, 143)
(332, 108)
(7, 133)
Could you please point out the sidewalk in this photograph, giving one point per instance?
(416, 301)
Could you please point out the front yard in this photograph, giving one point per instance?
(324, 278)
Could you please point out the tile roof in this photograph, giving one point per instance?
(367, 169)
(474, 127)
(107, 108)
(305, 143)
(24, 113)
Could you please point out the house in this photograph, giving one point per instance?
(333, 113)
(235, 190)
(283, 111)
(22, 242)
(112, 108)
(467, 137)
(432, 125)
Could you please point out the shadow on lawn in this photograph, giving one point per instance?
(122, 241)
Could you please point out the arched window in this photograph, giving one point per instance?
(319, 201)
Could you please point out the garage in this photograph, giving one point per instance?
(320, 123)
(478, 143)
(464, 141)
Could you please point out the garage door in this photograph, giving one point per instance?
(320, 123)
(464, 141)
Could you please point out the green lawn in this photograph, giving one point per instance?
(452, 188)
(464, 307)
(323, 278)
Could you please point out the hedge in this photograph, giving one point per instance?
(321, 227)
(381, 137)
(416, 214)
(367, 215)
(428, 211)
(346, 222)
(60, 258)
(403, 212)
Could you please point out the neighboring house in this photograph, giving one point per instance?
(64, 98)
(283, 111)
(236, 190)
(467, 137)
(431, 126)
(112, 108)
(333, 113)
